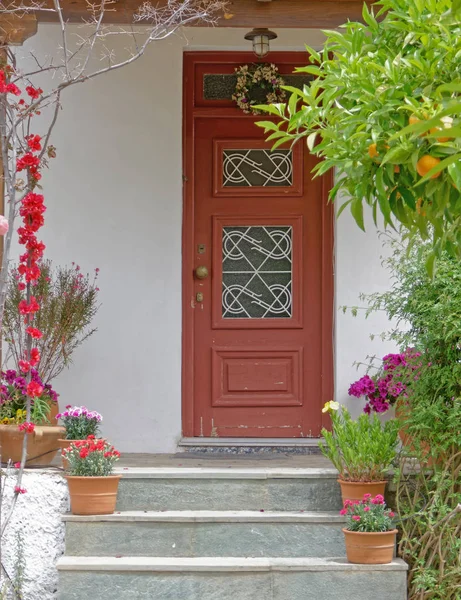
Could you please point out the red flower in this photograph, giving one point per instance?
(21, 287)
(84, 452)
(22, 101)
(378, 499)
(34, 389)
(11, 88)
(20, 490)
(27, 427)
(31, 308)
(34, 332)
(24, 366)
(34, 92)
(33, 141)
(26, 161)
(17, 465)
(34, 357)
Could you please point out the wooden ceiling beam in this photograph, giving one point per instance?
(312, 14)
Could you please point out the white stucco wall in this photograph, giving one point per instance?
(114, 196)
(36, 527)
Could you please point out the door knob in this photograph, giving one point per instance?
(201, 272)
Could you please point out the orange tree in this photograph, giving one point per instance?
(383, 109)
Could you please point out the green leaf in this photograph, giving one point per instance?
(314, 54)
(268, 125)
(456, 6)
(273, 109)
(454, 170)
(357, 212)
(408, 197)
(430, 262)
(342, 207)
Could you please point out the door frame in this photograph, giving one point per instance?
(192, 60)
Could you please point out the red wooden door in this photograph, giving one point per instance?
(258, 327)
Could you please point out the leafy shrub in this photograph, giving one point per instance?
(361, 450)
(427, 315)
(383, 92)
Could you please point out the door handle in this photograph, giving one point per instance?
(201, 272)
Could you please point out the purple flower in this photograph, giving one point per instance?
(363, 387)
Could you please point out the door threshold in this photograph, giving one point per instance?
(250, 442)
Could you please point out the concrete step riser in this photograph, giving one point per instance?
(204, 539)
(322, 494)
(317, 585)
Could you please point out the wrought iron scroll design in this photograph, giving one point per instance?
(257, 272)
(257, 168)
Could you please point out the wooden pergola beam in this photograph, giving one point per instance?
(302, 14)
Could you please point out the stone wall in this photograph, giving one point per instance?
(36, 525)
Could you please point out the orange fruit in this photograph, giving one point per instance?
(426, 163)
(372, 151)
(396, 169)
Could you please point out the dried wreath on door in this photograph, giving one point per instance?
(258, 84)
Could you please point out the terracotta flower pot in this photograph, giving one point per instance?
(355, 490)
(370, 548)
(42, 444)
(93, 495)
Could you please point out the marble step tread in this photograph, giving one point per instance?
(209, 516)
(214, 564)
(226, 473)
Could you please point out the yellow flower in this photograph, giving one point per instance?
(330, 406)
(5, 421)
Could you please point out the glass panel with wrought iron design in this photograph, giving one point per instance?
(257, 272)
(257, 168)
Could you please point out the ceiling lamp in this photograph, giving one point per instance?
(260, 38)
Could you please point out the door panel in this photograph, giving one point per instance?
(255, 326)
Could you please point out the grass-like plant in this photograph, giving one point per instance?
(68, 303)
(361, 450)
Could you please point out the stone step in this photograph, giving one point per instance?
(216, 488)
(150, 578)
(206, 533)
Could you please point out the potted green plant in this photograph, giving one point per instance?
(79, 423)
(362, 451)
(370, 533)
(15, 423)
(92, 487)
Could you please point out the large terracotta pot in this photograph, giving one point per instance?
(355, 490)
(93, 495)
(370, 548)
(42, 444)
